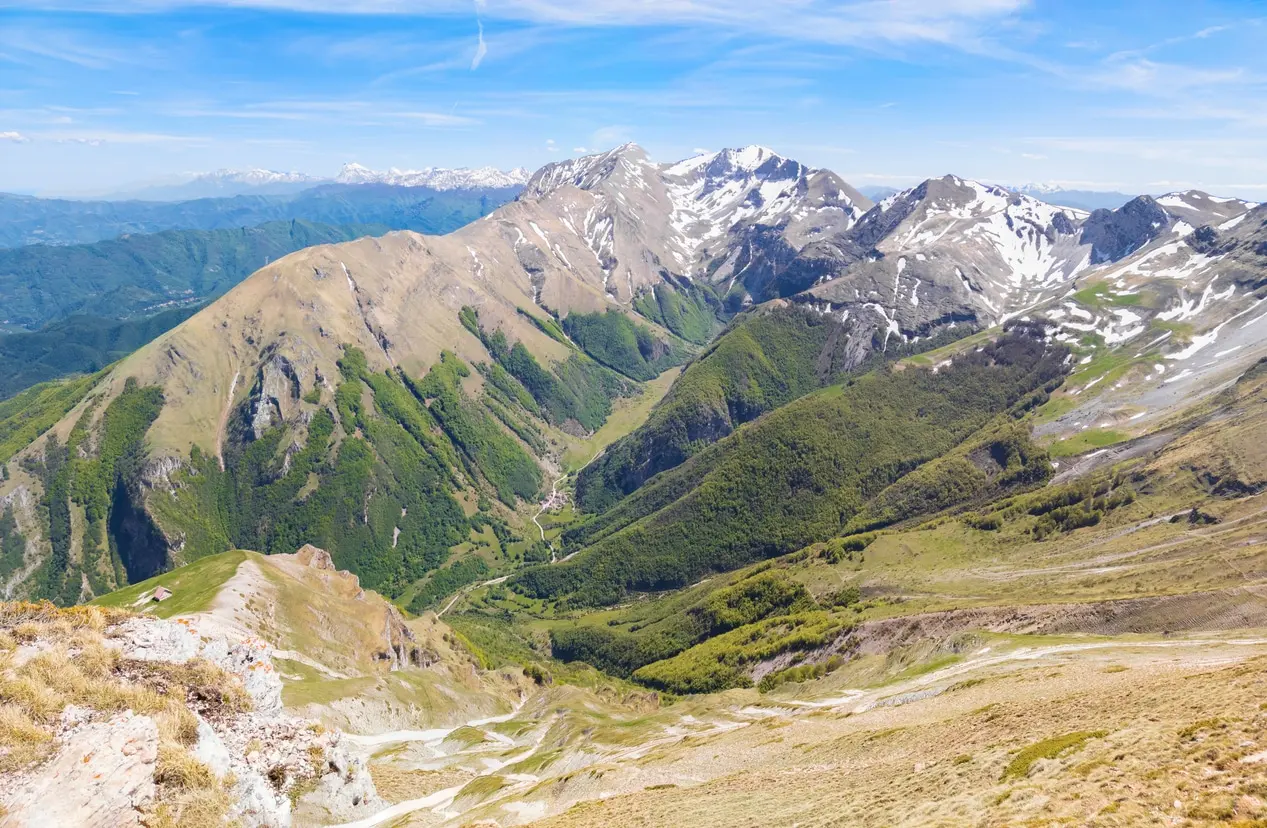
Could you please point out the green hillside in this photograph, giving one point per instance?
(139, 274)
(763, 360)
(77, 345)
(795, 477)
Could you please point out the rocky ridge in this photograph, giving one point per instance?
(107, 771)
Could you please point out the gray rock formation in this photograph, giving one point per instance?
(102, 777)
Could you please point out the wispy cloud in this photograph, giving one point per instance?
(855, 22)
(481, 50)
(30, 44)
(357, 112)
(100, 138)
(14, 137)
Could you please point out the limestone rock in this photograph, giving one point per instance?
(102, 777)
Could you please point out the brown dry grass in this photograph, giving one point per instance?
(74, 666)
(196, 808)
(398, 785)
(1184, 742)
(22, 741)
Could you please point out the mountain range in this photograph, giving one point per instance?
(607, 264)
(825, 471)
(229, 182)
(26, 220)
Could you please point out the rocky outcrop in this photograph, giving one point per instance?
(265, 751)
(102, 777)
(1115, 234)
(276, 392)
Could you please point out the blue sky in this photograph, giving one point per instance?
(1134, 95)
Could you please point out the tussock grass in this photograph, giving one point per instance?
(22, 740)
(396, 784)
(74, 666)
(195, 808)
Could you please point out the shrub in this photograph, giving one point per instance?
(1051, 748)
(722, 663)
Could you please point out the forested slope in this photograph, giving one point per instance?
(796, 476)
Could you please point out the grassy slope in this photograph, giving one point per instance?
(628, 413)
(25, 417)
(193, 587)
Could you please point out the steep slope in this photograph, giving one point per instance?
(1165, 328)
(252, 695)
(921, 268)
(764, 360)
(948, 252)
(694, 219)
(311, 402)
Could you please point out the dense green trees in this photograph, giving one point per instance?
(720, 663)
(95, 478)
(576, 390)
(760, 595)
(486, 449)
(28, 415)
(689, 309)
(793, 478)
(615, 340)
(446, 581)
(764, 360)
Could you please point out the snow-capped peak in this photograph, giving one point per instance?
(1038, 188)
(437, 178)
(254, 177)
(751, 157)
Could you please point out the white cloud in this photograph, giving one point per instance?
(361, 113)
(580, 150)
(96, 139)
(481, 50)
(14, 137)
(1033, 156)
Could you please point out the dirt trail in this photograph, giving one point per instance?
(467, 590)
(724, 719)
(440, 801)
(548, 504)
